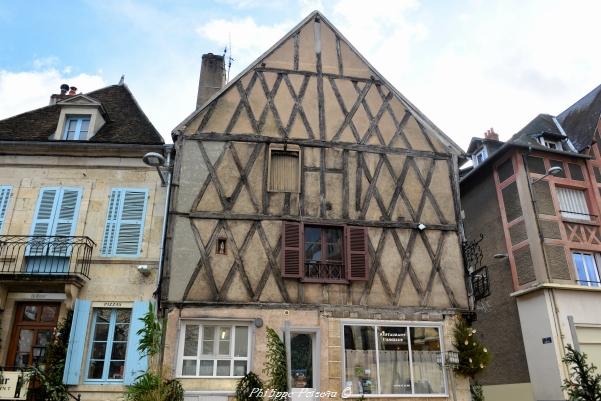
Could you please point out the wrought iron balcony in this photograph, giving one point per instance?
(480, 283)
(324, 271)
(35, 256)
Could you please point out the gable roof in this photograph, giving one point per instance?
(580, 119)
(125, 120)
(316, 15)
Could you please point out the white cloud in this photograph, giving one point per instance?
(23, 91)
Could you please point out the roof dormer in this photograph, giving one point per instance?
(81, 117)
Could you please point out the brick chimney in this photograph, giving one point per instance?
(212, 77)
(491, 134)
(56, 97)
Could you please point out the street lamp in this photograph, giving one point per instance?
(554, 171)
(156, 160)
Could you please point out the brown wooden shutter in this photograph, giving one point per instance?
(356, 253)
(292, 244)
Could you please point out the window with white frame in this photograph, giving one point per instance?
(551, 144)
(587, 272)
(214, 349)
(76, 127)
(480, 156)
(572, 203)
(393, 359)
(108, 344)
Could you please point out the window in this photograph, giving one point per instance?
(76, 127)
(284, 168)
(551, 144)
(108, 344)
(4, 197)
(391, 359)
(586, 269)
(214, 349)
(589, 340)
(572, 203)
(124, 227)
(324, 253)
(480, 156)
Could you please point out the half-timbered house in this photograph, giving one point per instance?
(311, 197)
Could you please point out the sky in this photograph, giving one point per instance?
(469, 65)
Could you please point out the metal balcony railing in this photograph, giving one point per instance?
(324, 271)
(480, 283)
(37, 255)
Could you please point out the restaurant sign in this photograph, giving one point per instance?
(13, 385)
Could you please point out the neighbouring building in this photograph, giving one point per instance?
(81, 222)
(536, 198)
(311, 197)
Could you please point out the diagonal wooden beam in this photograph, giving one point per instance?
(208, 178)
(270, 105)
(373, 121)
(275, 268)
(342, 106)
(244, 173)
(425, 183)
(238, 265)
(374, 259)
(349, 116)
(373, 191)
(243, 104)
(399, 133)
(205, 260)
(406, 265)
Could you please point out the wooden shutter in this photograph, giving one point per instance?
(136, 364)
(42, 221)
(124, 227)
(4, 197)
(77, 341)
(356, 253)
(66, 212)
(292, 245)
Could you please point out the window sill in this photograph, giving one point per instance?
(210, 377)
(324, 281)
(577, 221)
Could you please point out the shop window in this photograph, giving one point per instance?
(393, 360)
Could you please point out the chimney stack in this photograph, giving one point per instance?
(491, 134)
(55, 97)
(212, 77)
(72, 91)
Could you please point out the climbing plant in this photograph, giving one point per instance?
(275, 363)
(584, 384)
(47, 380)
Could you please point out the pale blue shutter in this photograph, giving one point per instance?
(135, 363)
(42, 221)
(67, 212)
(4, 197)
(124, 235)
(77, 341)
(112, 219)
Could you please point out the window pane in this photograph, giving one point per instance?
(49, 313)
(580, 268)
(239, 368)
(395, 374)
(241, 348)
(591, 270)
(123, 315)
(95, 371)
(223, 368)
(116, 369)
(312, 244)
(334, 241)
(224, 340)
(428, 375)
(98, 350)
(206, 368)
(360, 359)
(208, 333)
(119, 351)
(101, 333)
(301, 360)
(191, 340)
(29, 313)
(103, 315)
(189, 368)
(121, 331)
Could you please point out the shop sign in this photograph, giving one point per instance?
(13, 386)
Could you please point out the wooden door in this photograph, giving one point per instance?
(32, 332)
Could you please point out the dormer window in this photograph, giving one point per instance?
(76, 127)
(480, 156)
(550, 143)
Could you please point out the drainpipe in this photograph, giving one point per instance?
(157, 292)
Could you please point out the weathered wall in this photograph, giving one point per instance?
(483, 216)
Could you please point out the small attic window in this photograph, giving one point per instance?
(480, 156)
(76, 127)
(550, 143)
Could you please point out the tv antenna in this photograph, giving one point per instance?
(229, 57)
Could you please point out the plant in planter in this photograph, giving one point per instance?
(275, 362)
(249, 388)
(473, 355)
(152, 385)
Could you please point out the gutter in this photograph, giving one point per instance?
(157, 292)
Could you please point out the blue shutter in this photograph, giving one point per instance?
(77, 341)
(67, 211)
(42, 221)
(4, 197)
(135, 364)
(131, 223)
(112, 219)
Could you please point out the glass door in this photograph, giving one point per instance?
(304, 362)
